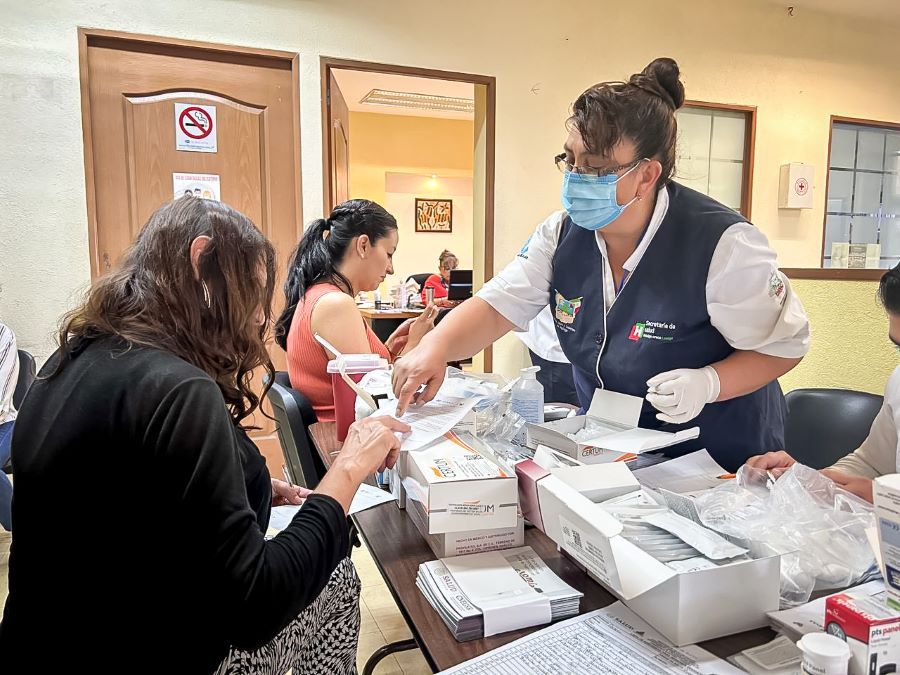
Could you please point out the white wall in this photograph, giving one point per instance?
(418, 251)
(797, 70)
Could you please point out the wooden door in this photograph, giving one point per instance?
(135, 90)
(339, 141)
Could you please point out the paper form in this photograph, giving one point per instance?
(688, 474)
(430, 421)
(365, 498)
(607, 641)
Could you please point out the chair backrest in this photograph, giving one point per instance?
(294, 414)
(27, 373)
(420, 278)
(823, 425)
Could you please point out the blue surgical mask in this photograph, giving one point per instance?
(590, 201)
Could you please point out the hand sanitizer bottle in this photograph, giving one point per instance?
(528, 396)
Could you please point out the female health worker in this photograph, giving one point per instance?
(656, 290)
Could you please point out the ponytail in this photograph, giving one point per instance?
(322, 248)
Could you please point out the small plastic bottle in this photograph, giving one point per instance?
(528, 396)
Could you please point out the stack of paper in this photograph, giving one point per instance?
(488, 593)
(610, 640)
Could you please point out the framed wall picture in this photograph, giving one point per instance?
(434, 215)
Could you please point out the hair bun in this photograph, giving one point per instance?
(662, 77)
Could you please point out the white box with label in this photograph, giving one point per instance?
(449, 544)
(686, 607)
(460, 485)
(619, 436)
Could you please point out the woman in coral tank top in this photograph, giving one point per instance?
(339, 256)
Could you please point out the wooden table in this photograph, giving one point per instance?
(373, 314)
(398, 549)
(386, 321)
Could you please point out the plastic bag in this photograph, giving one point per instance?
(817, 528)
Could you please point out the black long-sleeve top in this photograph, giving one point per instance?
(136, 546)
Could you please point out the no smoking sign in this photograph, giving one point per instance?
(195, 127)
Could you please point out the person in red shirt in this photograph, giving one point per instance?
(440, 282)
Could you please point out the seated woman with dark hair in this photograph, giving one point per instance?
(349, 252)
(145, 402)
(880, 452)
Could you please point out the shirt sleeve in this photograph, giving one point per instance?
(9, 371)
(750, 302)
(261, 585)
(877, 455)
(522, 289)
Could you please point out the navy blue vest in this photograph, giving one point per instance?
(659, 322)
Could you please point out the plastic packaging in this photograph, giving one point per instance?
(816, 527)
(352, 367)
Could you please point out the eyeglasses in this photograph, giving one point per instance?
(567, 167)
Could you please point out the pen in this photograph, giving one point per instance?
(727, 476)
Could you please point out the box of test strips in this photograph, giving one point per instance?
(685, 605)
(870, 628)
(460, 486)
(619, 438)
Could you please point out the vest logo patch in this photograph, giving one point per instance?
(567, 310)
(664, 331)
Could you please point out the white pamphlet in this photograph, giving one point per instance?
(365, 498)
(608, 641)
(690, 473)
(430, 421)
(507, 601)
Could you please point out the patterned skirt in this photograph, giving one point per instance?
(322, 640)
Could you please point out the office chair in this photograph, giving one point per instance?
(420, 278)
(294, 414)
(823, 425)
(27, 373)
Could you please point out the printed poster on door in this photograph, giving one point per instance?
(203, 185)
(195, 127)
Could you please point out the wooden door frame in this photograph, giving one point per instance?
(327, 64)
(88, 37)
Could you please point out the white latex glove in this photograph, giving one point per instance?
(680, 394)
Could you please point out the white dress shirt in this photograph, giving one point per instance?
(749, 301)
(541, 338)
(9, 373)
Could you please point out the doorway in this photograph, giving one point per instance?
(435, 130)
(162, 117)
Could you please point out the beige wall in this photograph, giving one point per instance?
(392, 159)
(796, 70)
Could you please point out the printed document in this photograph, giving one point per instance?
(688, 474)
(365, 498)
(607, 641)
(430, 421)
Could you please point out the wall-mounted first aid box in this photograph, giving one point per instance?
(685, 606)
(459, 485)
(615, 416)
(795, 186)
